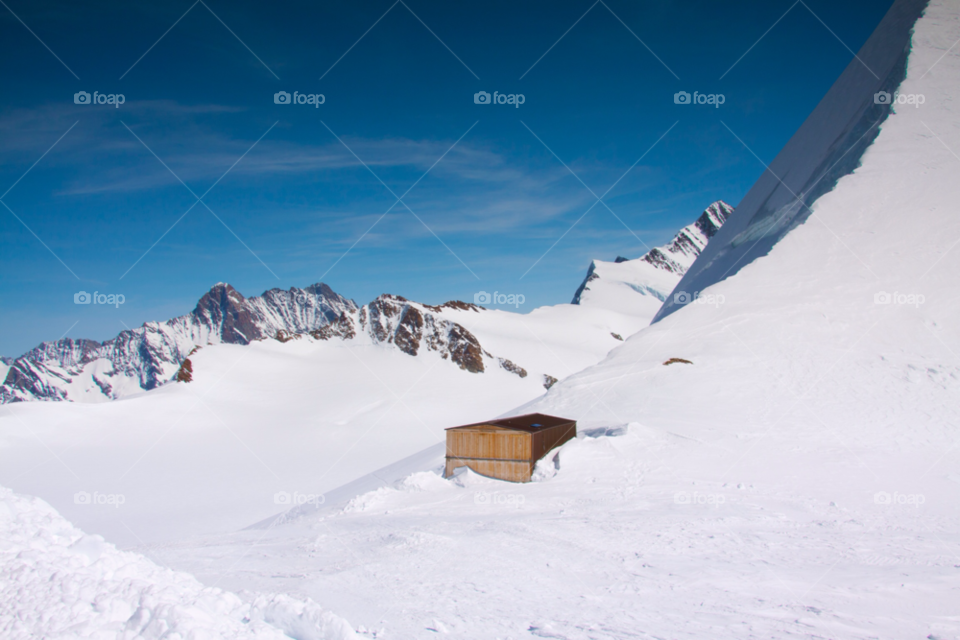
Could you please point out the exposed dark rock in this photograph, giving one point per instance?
(157, 353)
(285, 336)
(464, 349)
(342, 327)
(591, 276)
(456, 304)
(409, 331)
(513, 368)
(152, 354)
(185, 372)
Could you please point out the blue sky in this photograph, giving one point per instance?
(499, 196)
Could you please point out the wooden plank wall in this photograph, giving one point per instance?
(502, 469)
(499, 453)
(499, 444)
(545, 440)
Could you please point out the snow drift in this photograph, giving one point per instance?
(61, 583)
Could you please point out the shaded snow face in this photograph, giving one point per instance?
(828, 146)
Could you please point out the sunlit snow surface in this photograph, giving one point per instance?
(57, 582)
(270, 420)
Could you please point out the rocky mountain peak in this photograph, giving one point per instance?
(154, 354)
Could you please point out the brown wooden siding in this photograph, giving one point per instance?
(501, 452)
(501, 469)
(547, 439)
(498, 444)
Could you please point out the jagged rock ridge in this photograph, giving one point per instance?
(656, 273)
(157, 353)
(677, 256)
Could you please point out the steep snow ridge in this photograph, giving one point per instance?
(613, 285)
(59, 582)
(828, 146)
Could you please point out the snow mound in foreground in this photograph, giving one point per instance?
(58, 582)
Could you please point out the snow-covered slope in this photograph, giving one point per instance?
(556, 340)
(256, 422)
(796, 479)
(58, 582)
(616, 285)
(297, 415)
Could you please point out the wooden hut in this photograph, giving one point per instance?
(507, 449)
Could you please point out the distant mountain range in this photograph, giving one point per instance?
(156, 353)
(149, 356)
(653, 275)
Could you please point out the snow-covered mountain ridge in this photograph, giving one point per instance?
(149, 356)
(654, 275)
